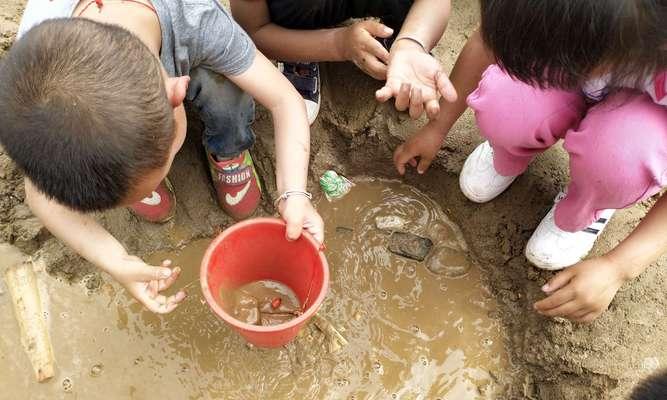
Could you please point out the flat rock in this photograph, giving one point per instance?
(409, 245)
(390, 223)
(451, 263)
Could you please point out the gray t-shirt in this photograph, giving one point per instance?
(195, 33)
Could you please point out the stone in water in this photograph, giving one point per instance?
(451, 263)
(409, 245)
(390, 223)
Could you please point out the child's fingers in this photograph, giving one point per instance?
(416, 103)
(558, 281)
(315, 226)
(317, 233)
(556, 299)
(445, 87)
(374, 67)
(413, 162)
(401, 157)
(579, 313)
(403, 97)
(293, 230)
(145, 273)
(590, 317)
(377, 29)
(383, 94)
(424, 164)
(164, 305)
(433, 109)
(375, 48)
(153, 289)
(166, 283)
(562, 310)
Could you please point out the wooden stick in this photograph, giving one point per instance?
(22, 285)
(336, 340)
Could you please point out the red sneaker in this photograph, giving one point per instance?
(236, 184)
(160, 207)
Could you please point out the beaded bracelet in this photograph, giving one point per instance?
(290, 193)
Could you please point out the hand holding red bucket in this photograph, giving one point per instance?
(256, 250)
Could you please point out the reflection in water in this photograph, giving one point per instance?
(412, 334)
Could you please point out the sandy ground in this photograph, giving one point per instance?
(556, 359)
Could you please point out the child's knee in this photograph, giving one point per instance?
(510, 112)
(620, 150)
(628, 133)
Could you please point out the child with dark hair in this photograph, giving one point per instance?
(91, 104)
(396, 50)
(653, 388)
(594, 74)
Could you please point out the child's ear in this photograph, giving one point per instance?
(176, 89)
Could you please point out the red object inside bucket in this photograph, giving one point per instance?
(255, 250)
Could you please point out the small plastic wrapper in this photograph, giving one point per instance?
(335, 186)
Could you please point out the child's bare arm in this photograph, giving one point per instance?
(645, 244)
(467, 72)
(292, 131)
(584, 291)
(90, 240)
(285, 44)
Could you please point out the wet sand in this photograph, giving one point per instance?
(412, 334)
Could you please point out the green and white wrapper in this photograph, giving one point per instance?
(334, 186)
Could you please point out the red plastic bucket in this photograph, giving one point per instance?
(256, 249)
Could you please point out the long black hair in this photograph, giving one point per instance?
(562, 43)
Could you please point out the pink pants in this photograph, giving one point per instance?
(617, 148)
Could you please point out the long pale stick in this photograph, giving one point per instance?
(22, 284)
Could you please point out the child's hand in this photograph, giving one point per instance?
(416, 79)
(145, 282)
(299, 213)
(582, 292)
(424, 144)
(357, 43)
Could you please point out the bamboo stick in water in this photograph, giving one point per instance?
(22, 286)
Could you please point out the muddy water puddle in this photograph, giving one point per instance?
(412, 333)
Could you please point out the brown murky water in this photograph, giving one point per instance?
(264, 303)
(412, 334)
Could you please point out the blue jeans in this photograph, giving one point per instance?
(226, 111)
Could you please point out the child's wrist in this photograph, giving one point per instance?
(340, 43)
(290, 194)
(626, 270)
(110, 263)
(403, 42)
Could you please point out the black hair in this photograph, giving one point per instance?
(84, 111)
(653, 388)
(562, 43)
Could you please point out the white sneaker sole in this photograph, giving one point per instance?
(470, 173)
(312, 109)
(543, 249)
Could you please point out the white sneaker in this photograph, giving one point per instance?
(553, 248)
(479, 180)
(306, 79)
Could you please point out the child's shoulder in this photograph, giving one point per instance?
(38, 11)
(194, 16)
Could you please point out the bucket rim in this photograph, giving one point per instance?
(225, 316)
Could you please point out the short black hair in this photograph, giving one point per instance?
(653, 388)
(84, 111)
(561, 43)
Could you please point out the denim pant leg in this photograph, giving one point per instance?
(226, 111)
